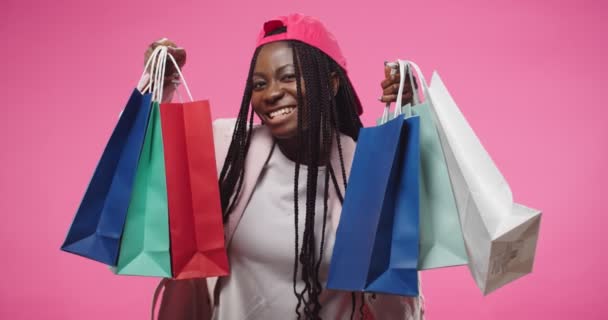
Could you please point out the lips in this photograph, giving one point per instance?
(281, 112)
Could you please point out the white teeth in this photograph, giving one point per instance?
(281, 112)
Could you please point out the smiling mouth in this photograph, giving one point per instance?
(280, 113)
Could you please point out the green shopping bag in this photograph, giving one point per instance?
(441, 240)
(144, 250)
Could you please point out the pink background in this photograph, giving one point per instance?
(529, 76)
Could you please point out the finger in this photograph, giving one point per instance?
(389, 84)
(390, 72)
(388, 98)
(407, 97)
(387, 69)
(392, 89)
(386, 83)
(395, 79)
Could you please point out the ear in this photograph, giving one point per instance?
(335, 82)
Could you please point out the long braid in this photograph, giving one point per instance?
(234, 164)
(245, 149)
(307, 256)
(323, 68)
(335, 121)
(320, 101)
(300, 138)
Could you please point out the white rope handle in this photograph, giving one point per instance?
(152, 86)
(408, 107)
(160, 75)
(181, 76)
(154, 76)
(158, 62)
(415, 97)
(149, 64)
(422, 80)
(153, 73)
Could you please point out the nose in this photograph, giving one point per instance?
(273, 93)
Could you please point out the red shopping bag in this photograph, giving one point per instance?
(195, 216)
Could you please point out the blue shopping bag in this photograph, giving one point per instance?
(98, 224)
(441, 240)
(376, 247)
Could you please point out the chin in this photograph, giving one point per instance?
(285, 132)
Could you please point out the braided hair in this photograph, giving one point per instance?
(322, 120)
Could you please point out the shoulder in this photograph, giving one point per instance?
(224, 126)
(223, 129)
(222, 135)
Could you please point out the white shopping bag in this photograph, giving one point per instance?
(500, 235)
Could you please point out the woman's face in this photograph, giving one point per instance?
(274, 97)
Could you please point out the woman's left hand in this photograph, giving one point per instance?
(390, 87)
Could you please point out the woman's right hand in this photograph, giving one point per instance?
(172, 79)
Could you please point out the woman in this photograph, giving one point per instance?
(282, 184)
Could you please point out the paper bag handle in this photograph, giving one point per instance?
(408, 108)
(157, 72)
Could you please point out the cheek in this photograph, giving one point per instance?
(292, 88)
(256, 102)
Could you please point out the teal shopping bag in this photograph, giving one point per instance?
(144, 249)
(441, 240)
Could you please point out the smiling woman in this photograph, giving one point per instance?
(275, 90)
(297, 161)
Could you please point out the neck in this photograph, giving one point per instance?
(290, 147)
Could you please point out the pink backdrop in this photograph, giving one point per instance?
(529, 76)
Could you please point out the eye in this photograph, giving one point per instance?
(289, 77)
(258, 84)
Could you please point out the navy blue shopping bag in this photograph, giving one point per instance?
(97, 227)
(376, 247)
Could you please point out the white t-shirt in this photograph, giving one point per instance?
(262, 251)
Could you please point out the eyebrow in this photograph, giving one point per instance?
(278, 70)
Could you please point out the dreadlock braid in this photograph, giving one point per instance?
(322, 114)
(234, 165)
(300, 138)
(306, 257)
(316, 75)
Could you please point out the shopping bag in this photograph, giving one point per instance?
(500, 235)
(376, 246)
(97, 226)
(441, 240)
(195, 214)
(144, 249)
